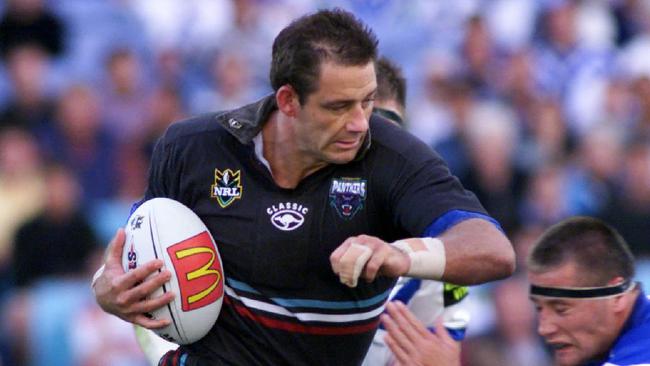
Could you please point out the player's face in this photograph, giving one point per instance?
(578, 330)
(333, 122)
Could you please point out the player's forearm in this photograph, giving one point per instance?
(476, 252)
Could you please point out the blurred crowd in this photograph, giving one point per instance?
(542, 108)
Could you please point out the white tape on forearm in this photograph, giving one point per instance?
(426, 263)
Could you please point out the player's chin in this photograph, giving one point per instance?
(341, 157)
(567, 358)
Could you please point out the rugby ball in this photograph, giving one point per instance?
(162, 228)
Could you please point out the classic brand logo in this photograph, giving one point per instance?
(287, 216)
(200, 277)
(227, 187)
(347, 196)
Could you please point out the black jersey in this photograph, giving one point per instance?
(283, 304)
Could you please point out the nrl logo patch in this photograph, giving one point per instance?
(347, 196)
(227, 187)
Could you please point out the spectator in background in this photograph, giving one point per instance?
(491, 134)
(130, 179)
(123, 102)
(78, 139)
(641, 90)
(229, 83)
(594, 178)
(165, 106)
(545, 200)
(517, 87)
(545, 138)
(460, 99)
(631, 19)
(60, 240)
(629, 209)
(29, 22)
(567, 66)
(29, 106)
(22, 191)
(430, 115)
(480, 56)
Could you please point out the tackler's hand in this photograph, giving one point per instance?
(413, 344)
(127, 294)
(367, 256)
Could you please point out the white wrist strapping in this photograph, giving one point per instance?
(427, 260)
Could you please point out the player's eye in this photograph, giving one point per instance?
(562, 310)
(367, 102)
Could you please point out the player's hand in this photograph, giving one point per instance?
(366, 257)
(413, 344)
(126, 295)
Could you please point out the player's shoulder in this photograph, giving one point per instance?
(202, 126)
(391, 139)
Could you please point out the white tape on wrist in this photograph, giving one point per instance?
(427, 260)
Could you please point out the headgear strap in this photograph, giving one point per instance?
(582, 292)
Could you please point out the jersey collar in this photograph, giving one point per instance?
(246, 122)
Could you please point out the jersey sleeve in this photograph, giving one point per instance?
(424, 190)
(163, 171)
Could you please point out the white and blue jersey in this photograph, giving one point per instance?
(632, 347)
(427, 300)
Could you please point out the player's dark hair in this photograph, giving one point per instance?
(391, 84)
(599, 251)
(327, 35)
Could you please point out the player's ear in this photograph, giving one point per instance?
(621, 303)
(287, 100)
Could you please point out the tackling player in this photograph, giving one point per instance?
(591, 312)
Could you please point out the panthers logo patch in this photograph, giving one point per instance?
(347, 196)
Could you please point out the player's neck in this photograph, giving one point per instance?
(288, 164)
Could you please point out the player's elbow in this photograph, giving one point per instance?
(503, 260)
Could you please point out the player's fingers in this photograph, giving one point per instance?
(410, 331)
(398, 333)
(396, 339)
(149, 305)
(139, 274)
(144, 289)
(335, 257)
(149, 323)
(441, 331)
(380, 253)
(418, 329)
(115, 247)
(352, 262)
